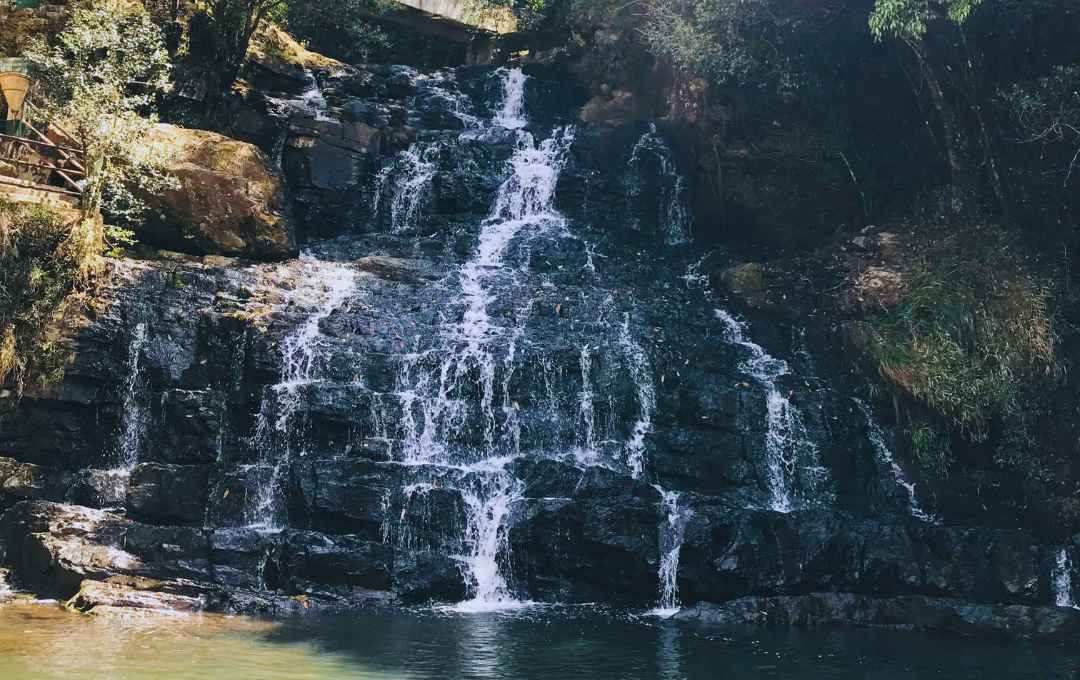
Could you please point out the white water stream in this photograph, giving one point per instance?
(885, 456)
(675, 217)
(134, 418)
(1062, 580)
(323, 288)
(788, 444)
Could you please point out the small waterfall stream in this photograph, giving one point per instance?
(134, 417)
(1062, 579)
(885, 456)
(788, 444)
(407, 183)
(437, 387)
(674, 217)
(672, 529)
(325, 288)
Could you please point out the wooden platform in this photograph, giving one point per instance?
(21, 191)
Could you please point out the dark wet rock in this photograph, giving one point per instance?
(99, 488)
(398, 269)
(425, 576)
(168, 494)
(345, 496)
(189, 427)
(21, 481)
(307, 558)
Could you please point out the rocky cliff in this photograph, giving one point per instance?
(499, 371)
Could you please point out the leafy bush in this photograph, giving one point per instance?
(1042, 122)
(40, 263)
(100, 76)
(971, 342)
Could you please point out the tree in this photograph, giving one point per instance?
(919, 24)
(729, 41)
(340, 28)
(231, 25)
(99, 79)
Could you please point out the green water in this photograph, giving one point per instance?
(41, 641)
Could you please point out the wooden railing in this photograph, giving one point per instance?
(55, 161)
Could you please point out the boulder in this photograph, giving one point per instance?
(53, 547)
(132, 593)
(397, 268)
(746, 282)
(230, 199)
(25, 480)
(99, 488)
(168, 494)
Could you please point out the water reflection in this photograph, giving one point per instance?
(549, 643)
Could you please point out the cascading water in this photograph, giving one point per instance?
(885, 456)
(134, 415)
(437, 388)
(325, 287)
(674, 216)
(672, 529)
(586, 407)
(788, 444)
(1062, 579)
(646, 393)
(512, 113)
(407, 180)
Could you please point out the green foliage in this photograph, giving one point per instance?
(39, 268)
(118, 240)
(340, 28)
(930, 447)
(532, 14)
(909, 19)
(100, 77)
(971, 341)
(222, 35)
(727, 40)
(1046, 114)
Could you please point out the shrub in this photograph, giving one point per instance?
(971, 342)
(41, 260)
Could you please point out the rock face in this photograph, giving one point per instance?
(502, 374)
(230, 199)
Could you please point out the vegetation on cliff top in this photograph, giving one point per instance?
(41, 263)
(99, 78)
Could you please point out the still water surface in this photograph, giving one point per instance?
(43, 642)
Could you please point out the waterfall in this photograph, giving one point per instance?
(312, 99)
(646, 394)
(674, 217)
(885, 457)
(670, 543)
(487, 511)
(1062, 580)
(459, 104)
(788, 444)
(325, 287)
(134, 415)
(511, 115)
(586, 409)
(441, 387)
(407, 178)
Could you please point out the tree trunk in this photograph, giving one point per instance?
(952, 131)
